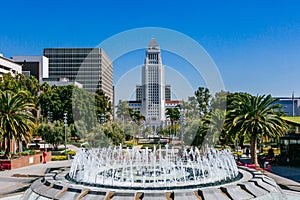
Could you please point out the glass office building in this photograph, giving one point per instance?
(91, 67)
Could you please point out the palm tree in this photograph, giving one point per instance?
(136, 118)
(16, 117)
(173, 114)
(255, 116)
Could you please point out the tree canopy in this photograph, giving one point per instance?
(255, 116)
(16, 117)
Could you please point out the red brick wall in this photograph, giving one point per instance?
(27, 160)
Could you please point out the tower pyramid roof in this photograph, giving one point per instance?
(153, 43)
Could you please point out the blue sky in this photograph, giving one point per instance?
(255, 44)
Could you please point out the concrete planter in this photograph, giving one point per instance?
(24, 161)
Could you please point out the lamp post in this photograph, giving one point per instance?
(49, 116)
(182, 124)
(101, 118)
(65, 125)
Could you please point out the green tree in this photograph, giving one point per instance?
(16, 118)
(191, 132)
(200, 131)
(123, 112)
(108, 134)
(84, 108)
(191, 107)
(103, 104)
(220, 100)
(136, 116)
(20, 83)
(255, 116)
(81, 129)
(213, 125)
(203, 97)
(54, 133)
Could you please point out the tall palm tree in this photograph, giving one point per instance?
(255, 116)
(138, 117)
(16, 117)
(174, 115)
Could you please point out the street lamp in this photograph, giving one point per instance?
(101, 118)
(49, 116)
(65, 125)
(182, 124)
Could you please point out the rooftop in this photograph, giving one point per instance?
(295, 119)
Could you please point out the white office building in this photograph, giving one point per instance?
(8, 66)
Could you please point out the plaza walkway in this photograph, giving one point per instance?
(18, 180)
(286, 177)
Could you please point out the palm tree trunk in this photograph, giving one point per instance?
(172, 128)
(7, 150)
(3, 143)
(254, 150)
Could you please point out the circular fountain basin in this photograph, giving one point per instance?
(152, 169)
(251, 185)
(115, 173)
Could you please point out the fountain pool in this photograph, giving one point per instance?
(152, 169)
(149, 174)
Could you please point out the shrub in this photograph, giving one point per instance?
(25, 153)
(32, 152)
(71, 152)
(55, 158)
(129, 145)
(150, 146)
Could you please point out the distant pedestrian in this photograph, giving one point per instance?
(247, 152)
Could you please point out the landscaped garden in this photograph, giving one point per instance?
(227, 120)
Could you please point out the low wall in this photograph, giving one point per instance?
(24, 161)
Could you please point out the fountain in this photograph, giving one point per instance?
(163, 173)
(154, 169)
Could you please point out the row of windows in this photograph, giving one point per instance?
(81, 70)
(74, 61)
(73, 56)
(153, 56)
(77, 57)
(70, 50)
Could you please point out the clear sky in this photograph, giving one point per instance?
(255, 44)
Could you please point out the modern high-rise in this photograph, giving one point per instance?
(153, 86)
(91, 67)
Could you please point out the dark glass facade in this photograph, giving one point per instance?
(89, 66)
